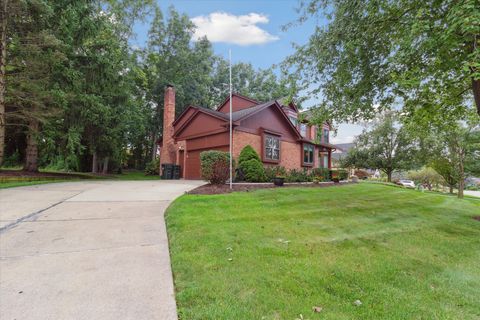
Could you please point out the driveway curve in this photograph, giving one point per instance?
(87, 250)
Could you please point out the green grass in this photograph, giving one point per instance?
(275, 254)
(15, 181)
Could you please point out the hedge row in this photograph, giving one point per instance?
(215, 168)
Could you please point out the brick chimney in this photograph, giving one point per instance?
(168, 151)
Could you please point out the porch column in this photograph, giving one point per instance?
(329, 158)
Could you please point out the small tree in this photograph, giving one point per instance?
(250, 165)
(386, 147)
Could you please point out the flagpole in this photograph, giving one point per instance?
(230, 141)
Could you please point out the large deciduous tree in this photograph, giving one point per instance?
(423, 55)
(386, 146)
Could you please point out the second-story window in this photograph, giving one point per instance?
(325, 136)
(303, 130)
(293, 120)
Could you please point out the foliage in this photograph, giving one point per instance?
(253, 171)
(215, 166)
(386, 146)
(371, 55)
(385, 246)
(250, 166)
(298, 175)
(321, 174)
(247, 153)
(153, 167)
(274, 171)
(362, 174)
(426, 176)
(339, 174)
(13, 160)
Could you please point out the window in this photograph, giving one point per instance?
(272, 148)
(325, 135)
(293, 120)
(303, 130)
(308, 151)
(325, 161)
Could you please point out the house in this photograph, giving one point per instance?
(272, 128)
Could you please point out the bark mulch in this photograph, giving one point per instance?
(476, 218)
(246, 187)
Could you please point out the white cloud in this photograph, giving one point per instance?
(228, 28)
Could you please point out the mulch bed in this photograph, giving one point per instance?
(246, 187)
(476, 218)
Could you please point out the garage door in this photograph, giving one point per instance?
(192, 163)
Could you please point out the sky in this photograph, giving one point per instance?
(252, 30)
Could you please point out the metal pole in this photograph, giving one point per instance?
(230, 142)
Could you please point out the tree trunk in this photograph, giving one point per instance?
(94, 163)
(461, 169)
(3, 62)
(31, 154)
(105, 165)
(451, 188)
(476, 93)
(154, 148)
(389, 176)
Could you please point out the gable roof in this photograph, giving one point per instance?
(234, 94)
(237, 115)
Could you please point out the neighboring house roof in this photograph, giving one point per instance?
(344, 147)
(342, 150)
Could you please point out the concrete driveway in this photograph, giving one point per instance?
(87, 250)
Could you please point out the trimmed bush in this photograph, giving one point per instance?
(248, 153)
(253, 171)
(321, 174)
(215, 166)
(295, 175)
(153, 168)
(275, 171)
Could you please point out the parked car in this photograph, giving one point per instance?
(406, 183)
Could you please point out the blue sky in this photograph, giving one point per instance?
(252, 30)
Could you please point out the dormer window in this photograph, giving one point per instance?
(293, 120)
(303, 130)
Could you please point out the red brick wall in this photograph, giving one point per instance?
(290, 152)
(169, 151)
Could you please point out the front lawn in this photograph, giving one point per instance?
(276, 254)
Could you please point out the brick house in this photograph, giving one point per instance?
(271, 128)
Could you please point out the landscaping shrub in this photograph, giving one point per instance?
(215, 166)
(339, 174)
(321, 174)
(250, 168)
(295, 175)
(275, 171)
(246, 154)
(253, 171)
(153, 168)
(362, 174)
(12, 160)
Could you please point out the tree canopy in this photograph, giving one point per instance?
(75, 94)
(372, 55)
